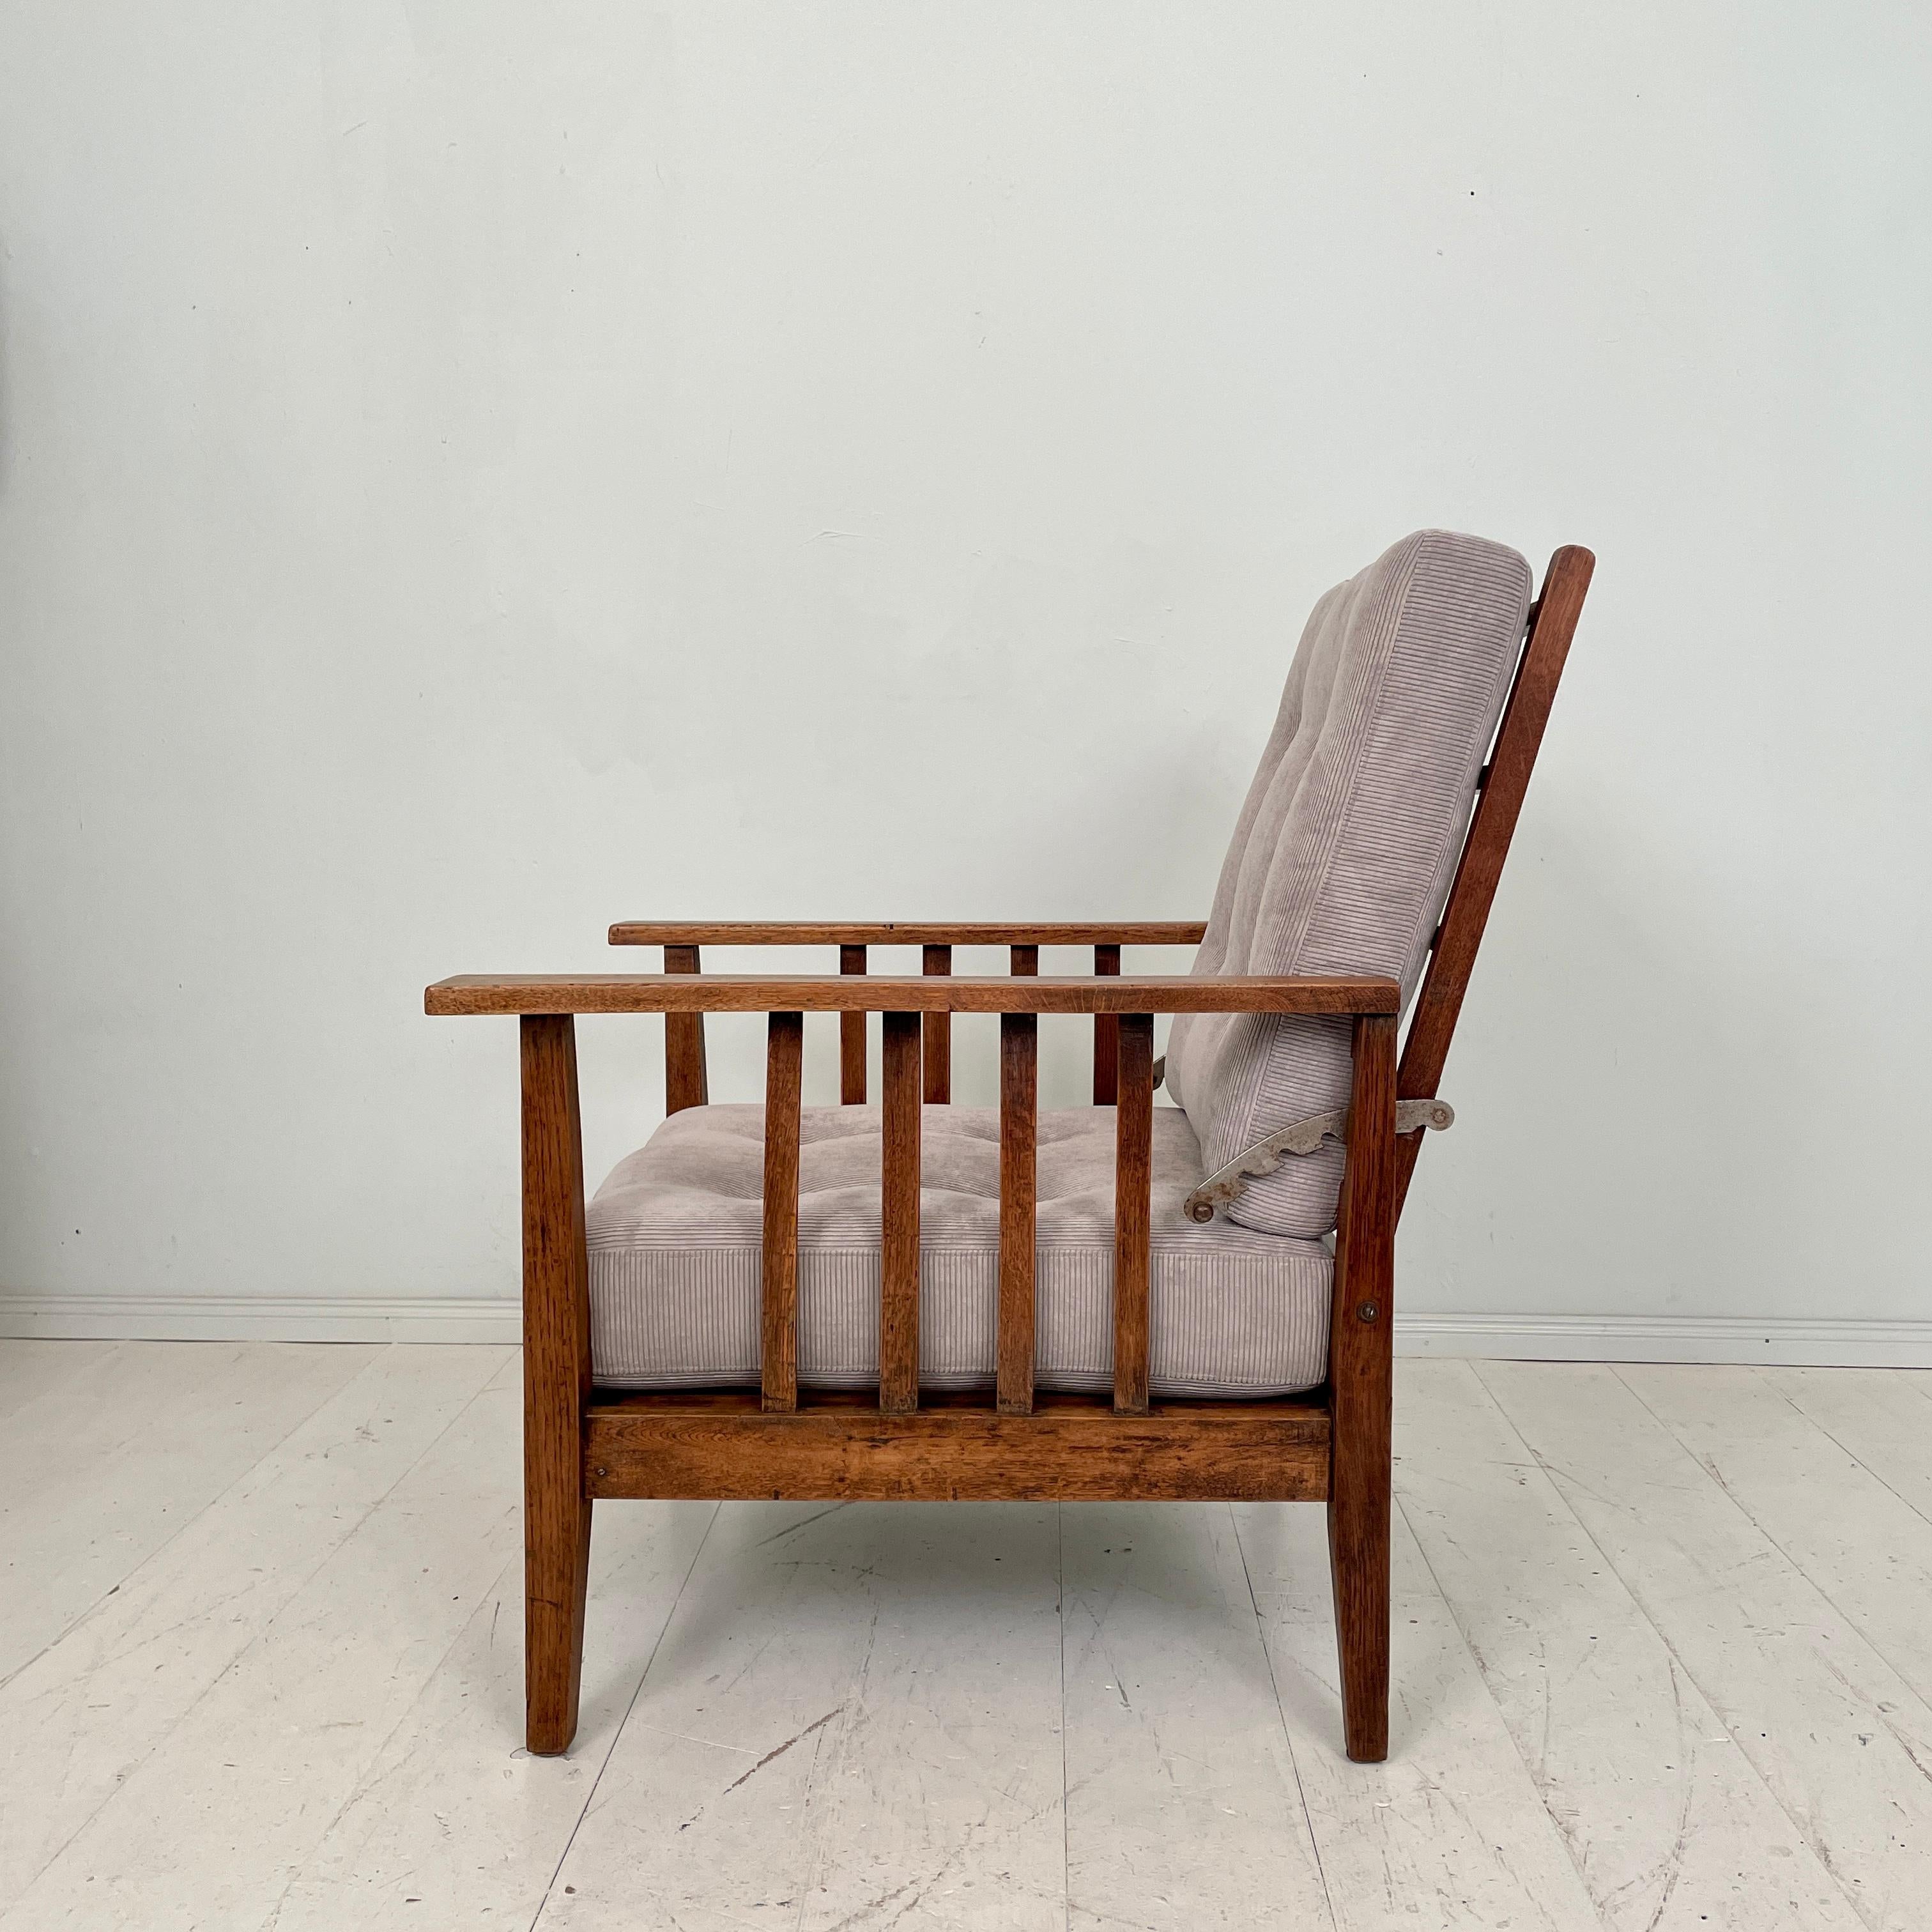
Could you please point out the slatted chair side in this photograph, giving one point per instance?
(784, 1057)
(1019, 1125)
(1133, 1175)
(1106, 1033)
(936, 961)
(899, 1253)
(686, 1083)
(852, 1036)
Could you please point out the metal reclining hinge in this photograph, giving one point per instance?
(1159, 1072)
(1301, 1137)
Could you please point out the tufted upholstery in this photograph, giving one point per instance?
(1344, 851)
(674, 1238)
(1341, 861)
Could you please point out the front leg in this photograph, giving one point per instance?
(556, 1385)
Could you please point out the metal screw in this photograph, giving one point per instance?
(1368, 1311)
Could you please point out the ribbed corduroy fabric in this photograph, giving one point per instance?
(1345, 849)
(1341, 861)
(675, 1246)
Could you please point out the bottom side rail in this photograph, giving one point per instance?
(1074, 1448)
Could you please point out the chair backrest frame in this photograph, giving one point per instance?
(1505, 778)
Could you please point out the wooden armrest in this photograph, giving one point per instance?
(807, 932)
(802, 992)
(683, 942)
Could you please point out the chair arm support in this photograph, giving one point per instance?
(907, 932)
(725, 993)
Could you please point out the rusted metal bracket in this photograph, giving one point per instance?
(1302, 1137)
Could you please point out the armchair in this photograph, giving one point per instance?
(1153, 1352)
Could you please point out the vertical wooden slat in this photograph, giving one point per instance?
(784, 1059)
(1133, 1164)
(851, 1037)
(938, 960)
(1361, 1351)
(556, 1383)
(1019, 1089)
(685, 1084)
(1019, 1186)
(1106, 1034)
(898, 1257)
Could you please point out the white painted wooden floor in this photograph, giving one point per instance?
(1664, 1660)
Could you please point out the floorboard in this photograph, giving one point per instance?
(1847, 1528)
(1879, 1416)
(98, 1703)
(1451, 1830)
(1670, 1826)
(1180, 1781)
(30, 1369)
(454, 1824)
(853, 1720)
(211, 1827)
(110, 1465)
(1840, 1738)
(1662, 1664)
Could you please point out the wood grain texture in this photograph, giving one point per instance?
(1553, 624)
(1071, 1447)
(936, 962)
(556, 1385)
(1133, 1174)
(490, 993)
(784, 1061)
(1360, 1331)
(1024, 960)
(686, 1081)
(898, 1256)
(806, 932)
(1106, 1033)
(852, 1037)
(1019, 1176)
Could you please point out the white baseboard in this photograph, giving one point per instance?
(1788, 1342)
(267, 1318)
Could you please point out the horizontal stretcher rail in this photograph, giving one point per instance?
(724, 992)
(905, 932)
(1075, 1447)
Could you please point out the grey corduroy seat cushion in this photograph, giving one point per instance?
(674, 1238)
(1341, 861)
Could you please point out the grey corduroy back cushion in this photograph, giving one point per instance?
(1346, 847)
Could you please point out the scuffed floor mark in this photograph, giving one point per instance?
(792, 1528)
(776, 1751)
(779, 1751)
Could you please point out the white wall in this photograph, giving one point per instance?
(471, 471)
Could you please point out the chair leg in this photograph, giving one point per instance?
(1360, 1366)
(556, 1385)
(557, 1564)
(1358, 1559)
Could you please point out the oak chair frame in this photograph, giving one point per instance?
(582, 1444)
